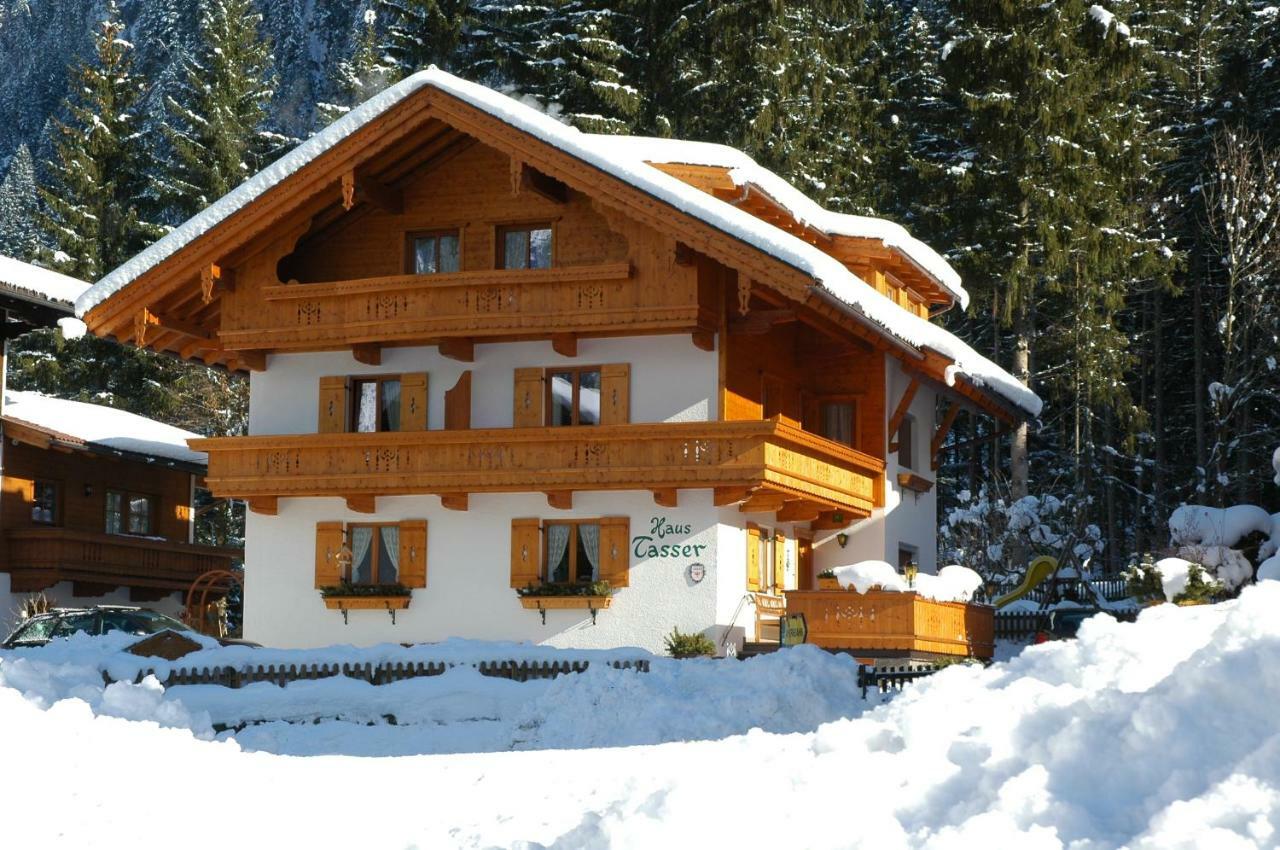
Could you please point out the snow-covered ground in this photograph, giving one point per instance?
(1156, 734)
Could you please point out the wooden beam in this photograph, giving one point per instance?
(459, 348)
(368, 353)
(356, 185)
(215, 275)
(667, 497)
(566, 345)
(935, 447)
(454, 501)
(724, 496)
(254, 361)
(834, 520)
(561, 500)
(526, 178)
(705, 340)
(362, 504)
(763, 503)
(761, 321)
(799, 510)
(900, 413)
(265, 505)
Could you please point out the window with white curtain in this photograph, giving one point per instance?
(571, 551)
(375, 554)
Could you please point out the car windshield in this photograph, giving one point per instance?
(72, 623)
(38, 629)
(139, 622)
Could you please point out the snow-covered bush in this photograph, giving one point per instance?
(986, 532)
(1217, 537)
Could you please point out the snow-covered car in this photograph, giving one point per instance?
(99, 620)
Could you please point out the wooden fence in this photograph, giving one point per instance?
(1015, 625)
(375, 674)
(885, 679)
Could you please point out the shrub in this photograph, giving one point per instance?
(682, 645)
(1199, 590)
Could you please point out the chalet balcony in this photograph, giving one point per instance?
(891, 624)
(773, 460)
(487, 304)
(42, 557)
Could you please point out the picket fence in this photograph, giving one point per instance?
(382, 673)
(885, 679)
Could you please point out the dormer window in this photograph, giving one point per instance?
(525, 247)
(436, 252)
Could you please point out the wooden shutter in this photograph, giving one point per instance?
(413, 402)
(615, 394)
(528, 399)
(615, 550)
(526, 552)
(457, 404)
(333, 405)
(328, 543)
(779, 561)
(413, 553)
(753, 557)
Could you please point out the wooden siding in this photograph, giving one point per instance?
(769, 454)
(83, 480)
(879, 622)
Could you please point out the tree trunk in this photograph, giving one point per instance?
(1019, 460)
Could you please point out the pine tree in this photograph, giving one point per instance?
(19, 233)
(216, 132)
(100, 171)
(425, 32)
(361, 75)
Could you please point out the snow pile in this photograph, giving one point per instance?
(79, 422)
(952, 584)
(1208, 536)
(827, 272)
(1153, 735)
(24, 278)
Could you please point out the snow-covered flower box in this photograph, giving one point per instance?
(894, 622)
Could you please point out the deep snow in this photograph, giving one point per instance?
(1156, 734)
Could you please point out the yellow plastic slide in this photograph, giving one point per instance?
(1040, 569)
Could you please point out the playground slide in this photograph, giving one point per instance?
(1040, 569)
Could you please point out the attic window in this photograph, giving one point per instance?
(525, 247)
(432, 253)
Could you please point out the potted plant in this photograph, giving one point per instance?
(827, 580)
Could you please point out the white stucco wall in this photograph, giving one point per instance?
(468, 592)
(671, 380)
(907, 517)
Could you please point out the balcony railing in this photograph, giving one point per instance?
(768, 454)
(890, 623)
(478, 304)
(41, 557)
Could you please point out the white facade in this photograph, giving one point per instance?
(468, 591)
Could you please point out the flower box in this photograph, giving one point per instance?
(829, 583)
(360, 603)
(554, 602)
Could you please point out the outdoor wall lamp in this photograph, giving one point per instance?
(911, 570)
(842, 539)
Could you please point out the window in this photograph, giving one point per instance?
(129, 513)
(837, 421)
(44, 503)
(375, 554)
(906, 449)
(526, 247)
(377, 405)
(573, 396)
(571, 551)
(432, 253)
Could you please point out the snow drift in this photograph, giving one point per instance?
(1153, 735)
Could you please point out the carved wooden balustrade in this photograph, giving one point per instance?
(885, 623)
(767, 454)
(491, 303)
(41, 557)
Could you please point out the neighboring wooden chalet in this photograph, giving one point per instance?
(96, 504)
(489, 353)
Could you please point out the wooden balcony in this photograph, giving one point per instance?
(760, 455)
(885, 623)
(495, 303)
(38, 558)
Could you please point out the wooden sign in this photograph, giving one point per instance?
(793, 630)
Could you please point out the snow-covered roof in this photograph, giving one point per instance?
(608, 155)
(40, 284)
(95, 425)
(744, 171)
